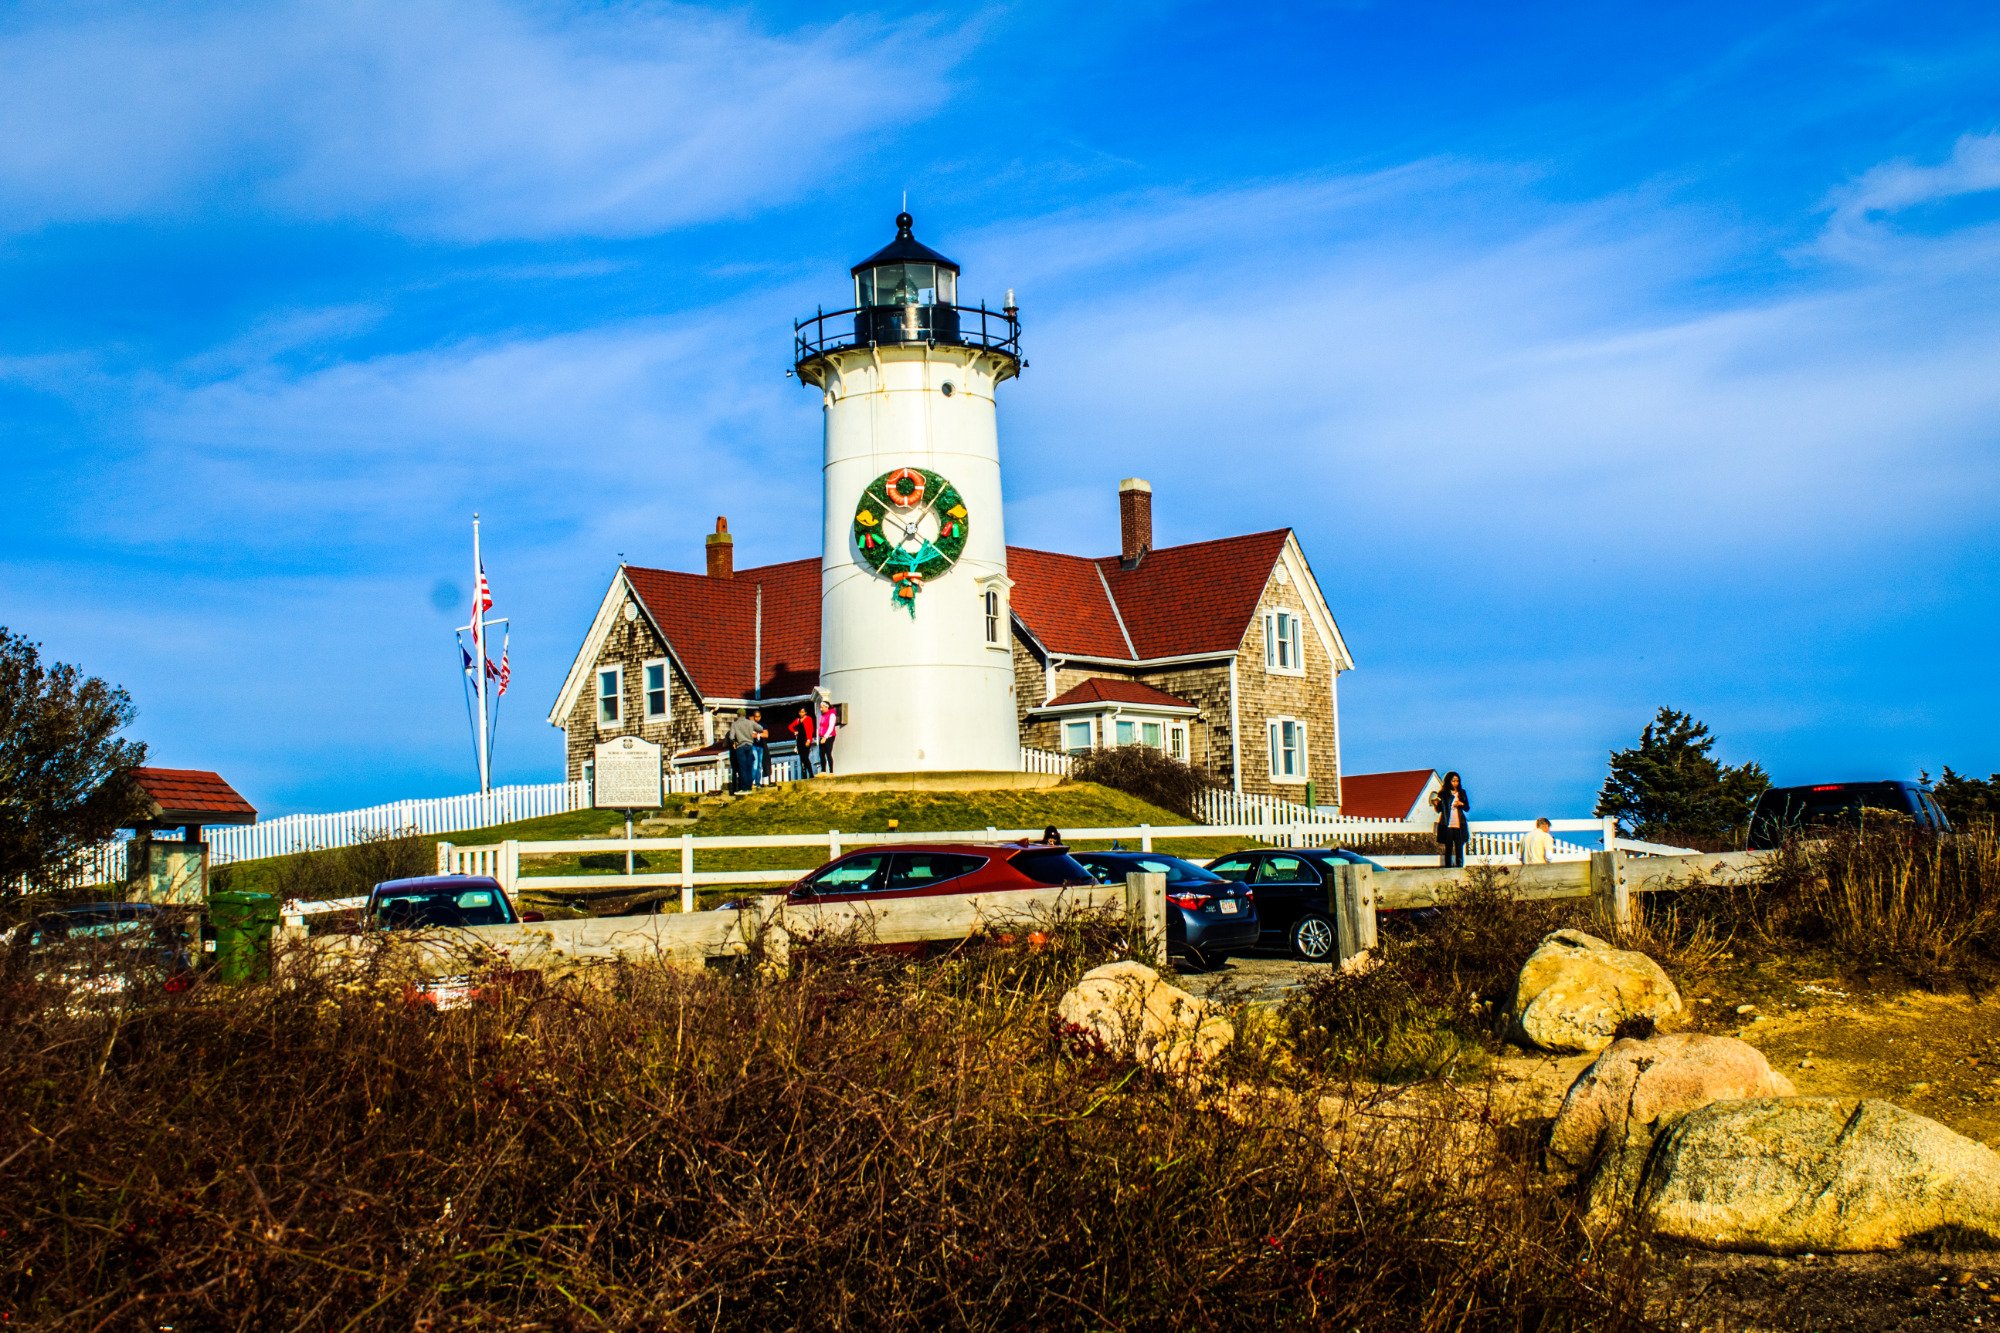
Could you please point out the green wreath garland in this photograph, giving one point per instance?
(887, 536)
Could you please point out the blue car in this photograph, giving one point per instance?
(1208, 918)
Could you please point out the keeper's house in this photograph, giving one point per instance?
(1222, 653)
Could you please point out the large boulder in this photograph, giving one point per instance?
(1126, 1010)
(1825, 1174)
(1575, 990)
(1632, 1092)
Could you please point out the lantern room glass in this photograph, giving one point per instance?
(905, 285)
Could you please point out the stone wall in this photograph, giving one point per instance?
(1309, 698)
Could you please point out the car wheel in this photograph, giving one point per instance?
(1312, 938)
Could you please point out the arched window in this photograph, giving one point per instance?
(993, 617)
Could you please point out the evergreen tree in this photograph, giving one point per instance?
(1669, 788)
(64, 773)
(1967, 801)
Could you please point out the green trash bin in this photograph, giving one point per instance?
(243, 922)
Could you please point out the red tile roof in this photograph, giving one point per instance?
(1383, 795)
(1197, 598)
(712, 625)
(1101, 690)
(193, 796)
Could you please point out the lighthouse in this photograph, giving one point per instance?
(915, 637)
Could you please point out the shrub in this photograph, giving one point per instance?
(852, 1145)
(1149, 774)
(1893, 898)
(1372, 1024)
(322, 874)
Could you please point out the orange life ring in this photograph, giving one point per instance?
(892, 487)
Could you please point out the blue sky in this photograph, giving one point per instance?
(1603, 358)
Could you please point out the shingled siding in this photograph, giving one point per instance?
(1264, 695)
(629, 644)
(1205, 685)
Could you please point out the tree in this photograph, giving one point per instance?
(65, 775)
(1669, 788)
(1967, 801)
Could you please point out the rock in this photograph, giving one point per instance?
(1613, 1111)
(1575, 990)
(1796, 1174)
(1128, 1011)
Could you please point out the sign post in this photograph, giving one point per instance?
(628, 778)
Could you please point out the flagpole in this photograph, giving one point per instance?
(479, 666)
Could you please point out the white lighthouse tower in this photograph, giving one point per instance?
(915, 643)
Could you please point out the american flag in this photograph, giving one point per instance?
(482, 602)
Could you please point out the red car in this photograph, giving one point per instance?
(927, 869)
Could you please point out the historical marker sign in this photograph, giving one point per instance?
(628, 775)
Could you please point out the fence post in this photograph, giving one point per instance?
(444, 857)
(1353, 907)
(1145, 837)
(687, 872)
(510, 865)
(1146, 915)
(1609, 890)
(1611, 833)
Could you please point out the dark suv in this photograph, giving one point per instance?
(1783, 812)
(1293, 902)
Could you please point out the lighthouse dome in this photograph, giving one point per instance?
(905, 272)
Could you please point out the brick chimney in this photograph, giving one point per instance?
(1135, 521)
(721, 551)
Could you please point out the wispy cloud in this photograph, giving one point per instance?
(1864, 211)
(461, 119)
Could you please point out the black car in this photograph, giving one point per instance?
(1293, 900)
(1208, 917)
(1783, 812)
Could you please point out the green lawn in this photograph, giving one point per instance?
(804, 807)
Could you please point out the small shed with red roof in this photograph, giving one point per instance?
(167, 869)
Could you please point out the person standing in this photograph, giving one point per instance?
(829, 727)
(742, 739)
(1454, 826)
(1538, 845)
(805, 738)
(760, 752)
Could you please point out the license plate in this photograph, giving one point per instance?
(1228, 907)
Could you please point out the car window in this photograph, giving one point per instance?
(1286, 870)
(1103, 871)
(1051, 865)
(444, 907)
(917, 870)
(856, 874)
(1233, 867)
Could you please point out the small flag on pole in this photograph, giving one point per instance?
(465, 659)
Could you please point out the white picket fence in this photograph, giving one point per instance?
(1045, 761)
(1295, 825)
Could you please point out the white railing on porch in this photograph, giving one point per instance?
(1045, 761)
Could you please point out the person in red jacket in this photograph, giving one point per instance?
(805, 735)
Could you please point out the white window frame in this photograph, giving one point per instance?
(1284, 642)
(994, 608)
(1274, 745)
(590, 780)
(1090, 725)
(616, 670)
(1177, 742)
(666, 708)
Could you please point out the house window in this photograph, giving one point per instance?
(1078, 736)
(1284, 644)
(590, 780)
(1288, 749)
(656, 689)
(992, 617)
(1177, 741)
(1152, 735)
(1127, 733)
(610, 690)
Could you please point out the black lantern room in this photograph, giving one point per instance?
(907, 293)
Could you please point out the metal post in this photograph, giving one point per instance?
(628, 844)
(479, 667)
